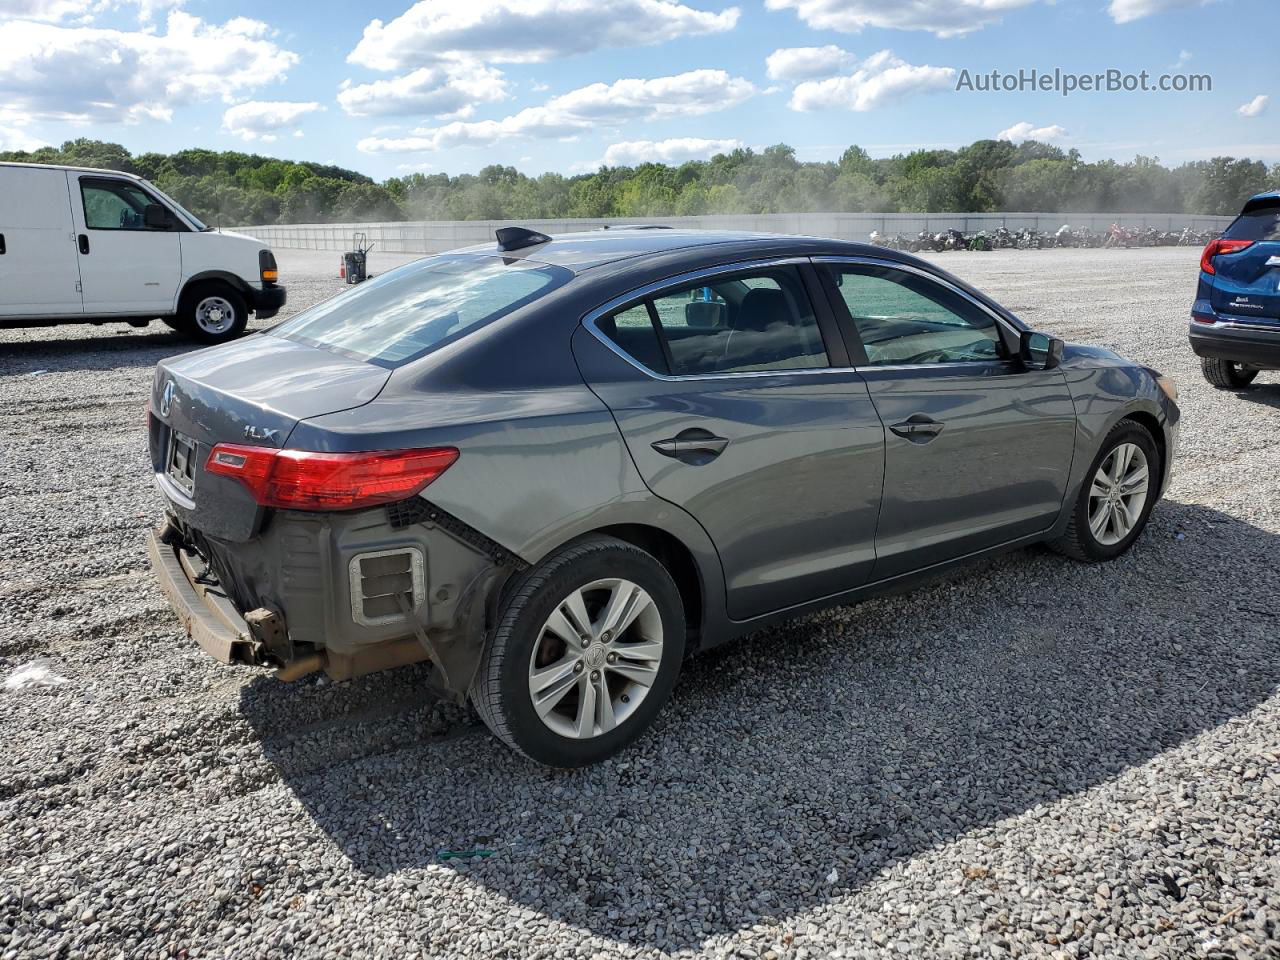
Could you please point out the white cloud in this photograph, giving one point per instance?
(52, 11)
(585, 109)
(1255, 107)
(527, 31)
(93, 74)
(881, 78)
(14, 138)
(1126, 11)
(807, 63)
(265, 119)
(676, 150)
(1025, 131)
(1184, 57)
(451, 88)
(946, 18)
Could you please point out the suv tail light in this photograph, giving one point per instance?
(1218, 247)
(302, 480)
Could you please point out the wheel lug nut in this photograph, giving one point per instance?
(595, 674)
(612, 658)
(606, 636)
(577, 667)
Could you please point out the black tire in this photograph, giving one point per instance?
(500, 691)
(1226, 375)
(194, 321)
(1078, 540)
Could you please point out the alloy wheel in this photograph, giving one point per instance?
(596, 658)
(1118, 493)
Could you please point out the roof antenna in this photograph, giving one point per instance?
(516, 238)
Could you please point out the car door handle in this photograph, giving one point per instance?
(3, 249)
(918, 428)
(695, 446)
(83, 241)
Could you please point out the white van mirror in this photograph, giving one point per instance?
(155, 217)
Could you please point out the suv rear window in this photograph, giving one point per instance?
(1257, 225)
(412, 310)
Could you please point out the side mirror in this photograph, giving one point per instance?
(155, 217)
(1039, 351)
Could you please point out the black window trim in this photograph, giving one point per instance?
(834, 348)
(1009, 334)
(177, 224)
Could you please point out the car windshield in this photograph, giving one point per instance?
(196, 221)
(421, 306)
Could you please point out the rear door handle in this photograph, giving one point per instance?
(918, 428)
(695, 446)
(83, 241)
(2, 246)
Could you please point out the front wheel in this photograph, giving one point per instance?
(1116, 497)
(586, 652)
(213, 313)
(1226, 375)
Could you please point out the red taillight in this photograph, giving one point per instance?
(302, 480)
(1215, 248)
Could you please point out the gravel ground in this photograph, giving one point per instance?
(1031, 757)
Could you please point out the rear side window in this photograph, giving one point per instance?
(421, 306)
(736, 324)
(1256, 225)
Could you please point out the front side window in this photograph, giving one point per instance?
(904, 318)
(114, 205)
(414, 309)
(743, 323)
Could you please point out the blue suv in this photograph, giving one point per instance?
(1235, 321)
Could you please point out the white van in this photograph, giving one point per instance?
(79, 245)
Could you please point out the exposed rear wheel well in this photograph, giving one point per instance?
(673, 555)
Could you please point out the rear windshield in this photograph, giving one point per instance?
(1256, 225)
(414, 309)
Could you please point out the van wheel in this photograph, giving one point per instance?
(213, 313)
(1226, 375)
(585, 653)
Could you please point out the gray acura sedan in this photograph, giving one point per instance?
(555, 467)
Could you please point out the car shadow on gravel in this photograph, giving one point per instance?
(1267, 394)
(805, 761)
(97, 349)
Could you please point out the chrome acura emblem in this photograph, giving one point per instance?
(252, 432)
(166, 399)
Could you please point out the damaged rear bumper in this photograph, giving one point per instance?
(212, 620)
(349, 593)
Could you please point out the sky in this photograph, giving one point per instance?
(388, 87)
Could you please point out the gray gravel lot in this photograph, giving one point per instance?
(1031, 757)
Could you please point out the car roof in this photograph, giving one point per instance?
(62, 166)
(589, 249)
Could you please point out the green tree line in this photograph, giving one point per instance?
(228, 187)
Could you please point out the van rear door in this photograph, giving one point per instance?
(1247, 283)
(128, 268)
(39, 276)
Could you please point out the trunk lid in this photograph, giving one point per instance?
(252, 391)
(1247, 284)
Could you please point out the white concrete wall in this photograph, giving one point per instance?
(435, 236)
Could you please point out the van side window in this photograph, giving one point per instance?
(114, 205)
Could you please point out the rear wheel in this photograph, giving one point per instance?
(213, 313)
(1226, 375)
(1116, 497)
(586, 652)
